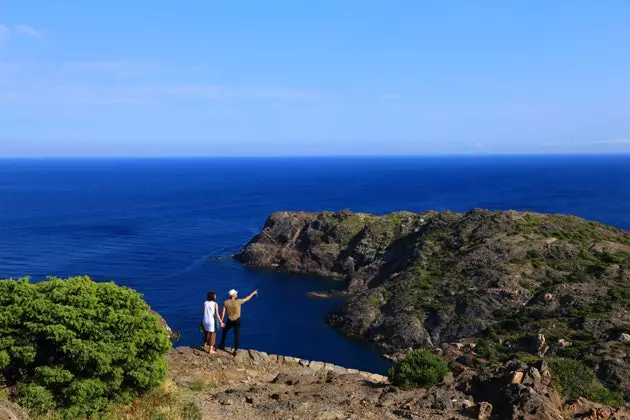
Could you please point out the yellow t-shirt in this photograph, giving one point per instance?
(233, 308)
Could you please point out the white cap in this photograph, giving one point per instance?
(232, 292)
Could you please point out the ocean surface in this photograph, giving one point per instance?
(154, 224)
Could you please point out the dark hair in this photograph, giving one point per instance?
(211, 296)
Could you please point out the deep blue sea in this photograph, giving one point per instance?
(153, 224)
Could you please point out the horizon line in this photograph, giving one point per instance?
(315, 156)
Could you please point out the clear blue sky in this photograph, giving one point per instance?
(291, 77)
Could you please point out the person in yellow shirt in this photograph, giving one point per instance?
(232, 307)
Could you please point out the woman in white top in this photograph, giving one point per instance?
(210, 319)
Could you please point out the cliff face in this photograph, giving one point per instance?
(512, 281)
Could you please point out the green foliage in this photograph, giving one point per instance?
(38, 399)
(76, 345)
(419, 368)
(603, 395)
(526, 357)
(486, 349)
(574, 379)
(614, 257)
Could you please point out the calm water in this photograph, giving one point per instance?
(153, 224)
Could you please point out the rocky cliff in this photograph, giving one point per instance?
(513, 283)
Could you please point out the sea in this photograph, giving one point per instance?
(156, 225)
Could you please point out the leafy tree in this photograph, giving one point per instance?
(76, 345)
(419, 368)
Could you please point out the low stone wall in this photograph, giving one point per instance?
(267, 361)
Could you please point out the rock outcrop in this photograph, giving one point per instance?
(172, 335)
(514, 282)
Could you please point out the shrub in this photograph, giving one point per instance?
(419, 368)
(573, 378)
(486, 350)
(76, 345)
(603, 395)
(37, 398)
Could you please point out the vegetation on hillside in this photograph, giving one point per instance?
(75, 346)
(419, 368)
(573, 380)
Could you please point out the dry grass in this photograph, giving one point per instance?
(170, 402)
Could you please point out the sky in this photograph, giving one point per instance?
(296, 77)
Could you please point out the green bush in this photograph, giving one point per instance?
(603, 395)
(574, 379)
(76, 345)
(419, 368)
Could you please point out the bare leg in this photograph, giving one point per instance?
(213, 339)
(207, 347)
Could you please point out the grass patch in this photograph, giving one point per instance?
(168, 402)
(201, 384)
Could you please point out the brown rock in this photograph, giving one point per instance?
(484, 410)
(449, 380)
(517, 378)
(564, 343)
(587, 410)
(316, 365)
(11, 411)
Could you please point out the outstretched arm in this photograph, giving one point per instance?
(251, 295)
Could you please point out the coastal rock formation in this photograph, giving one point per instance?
(513, 282)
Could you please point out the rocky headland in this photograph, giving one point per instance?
(514, 285)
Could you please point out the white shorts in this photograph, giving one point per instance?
(208, 326)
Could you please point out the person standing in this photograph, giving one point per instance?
(210, 318)
(232, 307)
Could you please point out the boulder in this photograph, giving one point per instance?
(11, 411)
